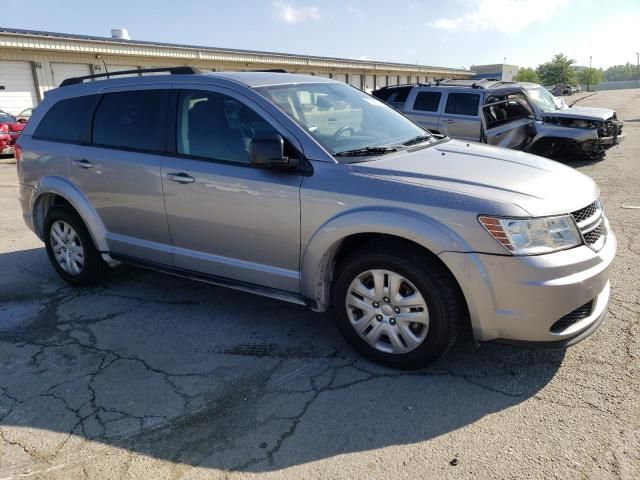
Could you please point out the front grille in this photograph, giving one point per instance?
(570, 318)
(589, 220)
(593, 236)
(586, 212)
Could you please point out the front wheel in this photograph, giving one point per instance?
(397, 305)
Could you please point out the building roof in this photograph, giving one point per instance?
(244, 55)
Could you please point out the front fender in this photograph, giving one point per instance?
(62, 187)
(319, 252)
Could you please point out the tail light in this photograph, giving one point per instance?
(4, 128)
(17, 152)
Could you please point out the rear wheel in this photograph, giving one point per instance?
(397, 305)
(71, 249)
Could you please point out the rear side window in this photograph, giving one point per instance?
(131, 120)
(427, 101)
(68, 120)
(463, 104)
(393, 95)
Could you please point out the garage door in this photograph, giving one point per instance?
(17, 90)
(369, 83)
(342, 77)
(381, 81)
(122, 68)
(355, 80)
(393, 80)
(62, 71)
(325, 75)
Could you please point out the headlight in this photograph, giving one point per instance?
(533, 236)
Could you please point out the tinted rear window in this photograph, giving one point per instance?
(68, 120)
(427, 101)
(396, 95)
(131, 120)
(463, 104)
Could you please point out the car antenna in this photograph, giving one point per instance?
(581, 98)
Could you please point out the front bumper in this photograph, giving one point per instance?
(518, 299)
(611, 140)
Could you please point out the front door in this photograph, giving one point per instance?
(508, 124)
(460, 117)
(228, 218)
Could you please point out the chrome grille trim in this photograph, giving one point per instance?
(590, 221)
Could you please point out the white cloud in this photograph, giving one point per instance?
(507, 16)
(287, 13)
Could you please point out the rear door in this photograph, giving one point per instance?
(460, 118)
(507, 123)
(119, 172)
(423, 106)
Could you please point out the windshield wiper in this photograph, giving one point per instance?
(358, 152)
(416, 140)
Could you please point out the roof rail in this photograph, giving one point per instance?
(420, 84)
(171, 70)
(271, 70)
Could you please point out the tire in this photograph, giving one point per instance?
(436, 286)
(92, 268)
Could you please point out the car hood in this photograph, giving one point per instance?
(587, 113)
(536, 185)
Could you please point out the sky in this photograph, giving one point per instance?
(453, 33)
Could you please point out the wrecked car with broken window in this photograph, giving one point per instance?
(518, 115)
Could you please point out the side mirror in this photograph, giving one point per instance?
(269, 152)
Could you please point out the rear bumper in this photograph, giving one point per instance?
(518, 299)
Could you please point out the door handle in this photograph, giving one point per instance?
(180, 177)
(82, 163)
(449, 121)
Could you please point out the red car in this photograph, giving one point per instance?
(10, 130)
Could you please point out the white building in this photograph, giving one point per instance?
(32, 62)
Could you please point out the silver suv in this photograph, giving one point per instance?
(518, 115)
(310, 191)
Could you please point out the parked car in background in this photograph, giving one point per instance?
(308, 190)
(518, 115)
(24, 115)
(10, 129)
(561, 89)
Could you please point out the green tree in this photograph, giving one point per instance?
(620, 72)
(527, 75)
(558, 70)
(590, 76)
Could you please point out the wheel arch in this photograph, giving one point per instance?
(341, 235)
(53, 190)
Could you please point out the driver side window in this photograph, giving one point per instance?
(215, 126)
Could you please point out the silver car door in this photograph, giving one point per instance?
(423, 107)
(460, 116)
(508, 124)
(119, 172)
(228, 218)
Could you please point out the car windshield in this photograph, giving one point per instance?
(344, 120)
(543, 99)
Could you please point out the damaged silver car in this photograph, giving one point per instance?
(518, 115)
